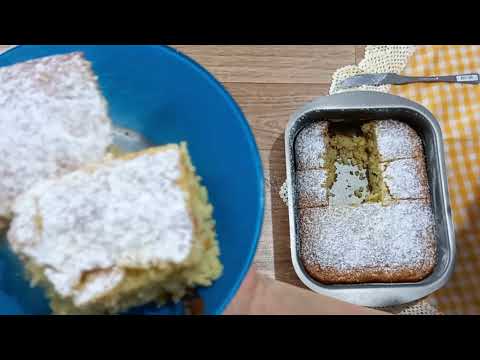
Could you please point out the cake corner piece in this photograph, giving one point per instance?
(123, 233)
(397, 140)
(311, 146)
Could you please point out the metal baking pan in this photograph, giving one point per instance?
(366, 105)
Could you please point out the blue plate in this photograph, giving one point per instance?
(167, 98)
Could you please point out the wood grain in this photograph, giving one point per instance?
(270, 83)
(268, 107)
(272, 64)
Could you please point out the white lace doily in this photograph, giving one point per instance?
(378, 59)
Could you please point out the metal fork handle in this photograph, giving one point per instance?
(463, 79)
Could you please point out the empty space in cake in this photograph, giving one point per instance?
(362, 167)
(350, 186)
(347, 160)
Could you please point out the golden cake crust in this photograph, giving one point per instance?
(331, 276)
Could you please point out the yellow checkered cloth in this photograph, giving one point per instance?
(457, 108)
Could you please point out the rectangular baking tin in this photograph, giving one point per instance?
(366, 105)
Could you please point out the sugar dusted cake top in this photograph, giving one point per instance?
(311, 190)
(371, 236)
(311, 146)
(406, 179)
(52, 118)
(99, 221)
(397, 140)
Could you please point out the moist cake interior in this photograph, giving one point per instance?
(353, 144)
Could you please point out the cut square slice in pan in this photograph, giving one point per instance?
(406, 179)
(311, 146)
(394, 140)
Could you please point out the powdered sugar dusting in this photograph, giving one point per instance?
(311, 146)
(397, 140)
(406, 179)
(370, 236)
(311, 190)
(53, 118)
(99, 283)
(125, 214)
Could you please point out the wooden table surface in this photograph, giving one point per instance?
(270, 83)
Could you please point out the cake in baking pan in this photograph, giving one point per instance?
(311, 146)
(53, 119)
(127, 231)
(383, 231)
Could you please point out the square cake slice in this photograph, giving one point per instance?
(406, 179)
(370, 243)
(311, 146)
(395, 140)
(53, 118)
(125, 232)
(311, 189)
